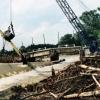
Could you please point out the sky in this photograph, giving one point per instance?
(33, 18)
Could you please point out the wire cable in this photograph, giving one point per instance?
(10, 4)
(84, 5)
(89, 15)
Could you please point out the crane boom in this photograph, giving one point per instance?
(77, 25)
(73, 19)
(69, 13)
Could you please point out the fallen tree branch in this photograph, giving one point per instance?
(89, 74)
(89, 86)
(89, 68)
(54, 95)
(84, 94)
(62, 94)
(96, 80)
(37, 94)
(68, 78)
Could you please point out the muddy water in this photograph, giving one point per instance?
(35, 75)
(10, 68)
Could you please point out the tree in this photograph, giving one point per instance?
(22, 49)
(77, 40)
(91, 22)
(67, 39)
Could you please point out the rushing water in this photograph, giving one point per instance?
(37, 74)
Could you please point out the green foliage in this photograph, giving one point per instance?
(39, 46)
(69, 39)
(77, 40)
(91, 22)
(23, 49)
(30, 48)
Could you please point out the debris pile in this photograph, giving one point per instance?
(77, 82)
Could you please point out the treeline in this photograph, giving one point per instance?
(37, 47)
(29, 48)
(70, 40)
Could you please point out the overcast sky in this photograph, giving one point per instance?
(33, 18)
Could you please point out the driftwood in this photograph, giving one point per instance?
(54, 95)
(89, 68)
(68, 78)
(67, 84)
(84, 94)
(89, 74)
(89, 86)
(37, 94)
(57, 96)
(96, 80)
(62, 94)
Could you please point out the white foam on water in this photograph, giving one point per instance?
(18, 79)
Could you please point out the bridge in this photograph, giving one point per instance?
(42, 54)
(61, 50)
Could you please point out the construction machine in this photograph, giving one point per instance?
(8, 35)
(89, 41)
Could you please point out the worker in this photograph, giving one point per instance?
(53, 72)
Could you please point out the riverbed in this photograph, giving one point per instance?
(37, 74)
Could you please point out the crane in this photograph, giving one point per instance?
(77, 25)
(8, 35)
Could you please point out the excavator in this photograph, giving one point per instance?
(90, 41)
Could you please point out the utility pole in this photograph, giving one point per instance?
(58, 37)
(22, 44)
(32, 41)
(44, 39)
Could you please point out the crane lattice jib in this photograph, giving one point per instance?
(73, 19)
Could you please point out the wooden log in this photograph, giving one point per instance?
(89, 74)
(84, 94)
(37, 94)
(89, 68)
(68, 78)
(54, 95)
(96, 80)
(62, 94)
(89, 86)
